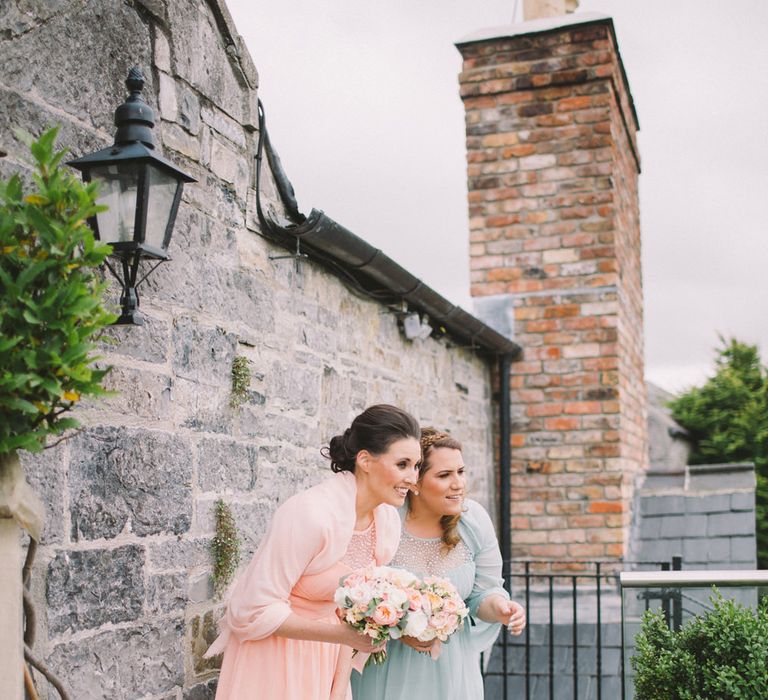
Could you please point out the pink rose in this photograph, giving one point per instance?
(414, 600)
(450, 606)
(438, 620)
(453, 622)
(385, 614)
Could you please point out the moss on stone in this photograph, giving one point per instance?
(241, 380)
(225, 546)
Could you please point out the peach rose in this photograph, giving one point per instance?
(414, 599)
(385, 614)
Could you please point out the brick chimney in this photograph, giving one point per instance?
(553, 166)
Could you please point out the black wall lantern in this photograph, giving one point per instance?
(142, 190)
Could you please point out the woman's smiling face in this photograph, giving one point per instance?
(394, 472)
(443, 485)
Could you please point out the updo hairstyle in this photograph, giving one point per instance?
(374, 430)
(431, 440)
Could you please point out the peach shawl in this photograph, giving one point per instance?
(309, 533)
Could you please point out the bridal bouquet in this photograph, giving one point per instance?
(439, 614)
(378, 602)
(386, 603)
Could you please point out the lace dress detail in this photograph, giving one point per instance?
(425, 556)
(361, 550)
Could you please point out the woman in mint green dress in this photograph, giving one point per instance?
(445, 534)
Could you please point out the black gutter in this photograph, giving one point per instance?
(505, 467)
(367, 268)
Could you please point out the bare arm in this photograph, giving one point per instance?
(297, 627)
(496, 608)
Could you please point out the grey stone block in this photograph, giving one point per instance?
(166, 593)
(202, 691)
(719, 549)
(19, 111)
(744, 549)
(189, 109)
(293, 388)
(202, 354)
(214, 76)
(740, 523)
(137, 393)
(664, 550)
(86, 589)
(696, 551)
(226, 464)
(202, 408)
(45, 472)
(123, 664)
(280, 427)
(715, 503)
(129, 478)
(252, 520)
(180, 554)
(682, 525)
(148, 342)
(650, 527)
(742, 501)
(95, 77)
(662, 505)
(200, 588)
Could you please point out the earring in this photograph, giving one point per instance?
(415, 492)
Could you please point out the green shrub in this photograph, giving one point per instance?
(50, 300)
(721, 655)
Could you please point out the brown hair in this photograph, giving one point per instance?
(433, 439)
(375, 429)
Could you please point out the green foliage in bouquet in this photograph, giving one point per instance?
(50, 299)
(721, 655)
(727, 418)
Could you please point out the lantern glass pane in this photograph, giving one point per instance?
(118, 189)
(162, 191)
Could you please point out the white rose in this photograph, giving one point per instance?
(417, 623)
(360, 594)
(427, 635)
(340, 597)
(397, 597)
(403, 578)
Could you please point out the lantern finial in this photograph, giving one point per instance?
(135, 80)
(134, 118)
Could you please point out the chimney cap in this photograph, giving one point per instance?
(534, 26)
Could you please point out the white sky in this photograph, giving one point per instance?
(362, 105)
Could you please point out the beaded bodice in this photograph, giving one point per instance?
(426, 557)
(362, 547)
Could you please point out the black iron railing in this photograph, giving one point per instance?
(572, 645)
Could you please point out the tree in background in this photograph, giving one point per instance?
(727, 418)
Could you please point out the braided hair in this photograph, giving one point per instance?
(433, 439)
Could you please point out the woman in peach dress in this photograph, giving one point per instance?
(280, 635)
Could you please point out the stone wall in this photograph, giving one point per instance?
(122, 580)
(555, 258)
